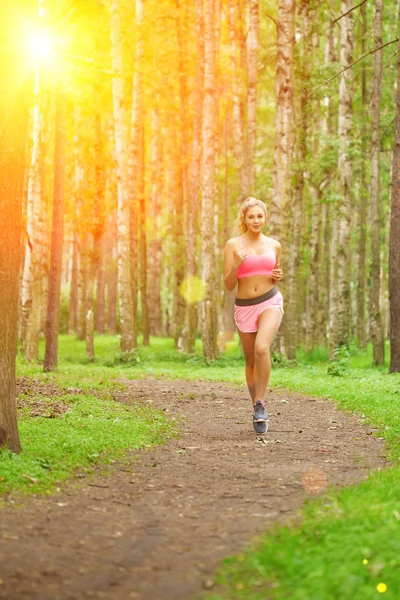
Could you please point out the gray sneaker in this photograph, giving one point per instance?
(260, 417)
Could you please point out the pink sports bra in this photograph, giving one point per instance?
(257, 264)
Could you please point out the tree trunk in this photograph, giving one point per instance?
(194, 177)
(73, 293)
(57, 238)
(99, 225)
(127, 322)
(35, 268)
(15, 96)
(377, 336)
(281, 202)
(394, 250)
(143, 248)
(362, 227)
(209, 316)
(252, 61)
(345, 177)
(111, 275)
(154, 242)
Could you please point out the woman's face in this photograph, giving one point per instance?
(254, 218)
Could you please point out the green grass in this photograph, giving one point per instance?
(91, 431)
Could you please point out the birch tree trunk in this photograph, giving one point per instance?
(345, 176)
(57, 238)
(15, 98)
(194, 177)
(99, 225)
(252, 60)
(362, 227)
(377, 335)
(35, 267)
(136, 184)
(281, 202)
(394, 251)
(73, 294)
(127, 321)
(209, 315)
(111, 274)
(155, 244)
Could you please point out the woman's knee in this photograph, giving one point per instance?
(262, 350)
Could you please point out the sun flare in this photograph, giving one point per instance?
(41, 47)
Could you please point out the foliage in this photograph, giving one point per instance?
(340, 362)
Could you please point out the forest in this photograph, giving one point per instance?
(131, 133)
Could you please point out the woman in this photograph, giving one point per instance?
(251, 260)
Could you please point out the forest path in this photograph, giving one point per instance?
(157, 528)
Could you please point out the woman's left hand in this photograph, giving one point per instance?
(277, 273)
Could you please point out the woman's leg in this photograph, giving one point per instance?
(268, 324)
(248, 341)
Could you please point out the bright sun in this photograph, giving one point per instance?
(41, 47)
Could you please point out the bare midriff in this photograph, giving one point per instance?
(256, 285)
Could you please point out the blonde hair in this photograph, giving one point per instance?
(240, 226)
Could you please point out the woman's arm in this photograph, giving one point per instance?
(276, 271)
(232, 262)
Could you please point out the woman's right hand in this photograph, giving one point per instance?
(239, 256)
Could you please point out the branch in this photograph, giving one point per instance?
(382, 134)
(349, 11)
(275, 21)
(24, 229)
(351, 65)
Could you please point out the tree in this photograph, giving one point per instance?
(342, 307)
(209, 317)
(57, 238)
(127, 322)
(377, 335)
(281, 203)
(15, 95)
(394, 252)
(36, 253)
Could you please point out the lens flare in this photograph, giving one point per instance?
(192, 289)
(314, 480)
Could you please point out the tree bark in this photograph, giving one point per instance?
(377, 335)
(194, 177)
(99, 224)
(362, 227)
(35, 267)
(15, 97)
(127, 322)
(252, 61)
(155, 235)
(209, 316)
(57, 238)
(73, 293)
(345, 177)
(281, 202)
(394, 249)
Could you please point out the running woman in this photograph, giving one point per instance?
(251, 260)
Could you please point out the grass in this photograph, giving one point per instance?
(346, 543)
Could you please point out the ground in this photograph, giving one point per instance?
(157, 527)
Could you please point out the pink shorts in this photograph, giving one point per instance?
(246, 317)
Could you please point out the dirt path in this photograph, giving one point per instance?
(157, 528)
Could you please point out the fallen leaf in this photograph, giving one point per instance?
(32, 479)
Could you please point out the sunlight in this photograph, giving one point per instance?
(41, 47)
